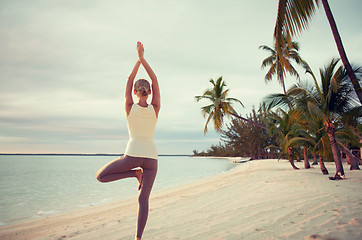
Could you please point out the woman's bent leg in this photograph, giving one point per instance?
(149, 174)
(119, 168)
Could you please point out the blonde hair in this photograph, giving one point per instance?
(142, 86)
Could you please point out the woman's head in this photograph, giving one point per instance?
(142, 88)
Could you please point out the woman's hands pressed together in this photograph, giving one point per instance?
(140, 51)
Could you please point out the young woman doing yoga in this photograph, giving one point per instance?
(141, 150)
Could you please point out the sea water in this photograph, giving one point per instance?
(34, 186)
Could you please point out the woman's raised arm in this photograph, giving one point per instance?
(129, 87)
(156, 96)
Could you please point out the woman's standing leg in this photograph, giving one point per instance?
(119, 168)
(149, 174)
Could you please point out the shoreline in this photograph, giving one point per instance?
(256, 200)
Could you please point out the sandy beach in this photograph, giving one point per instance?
(263, 199)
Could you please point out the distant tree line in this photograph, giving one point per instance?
(244, 139)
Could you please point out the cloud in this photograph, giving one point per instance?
(64, 66)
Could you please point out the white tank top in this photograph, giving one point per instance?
(141, 123)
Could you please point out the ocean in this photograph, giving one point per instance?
(35, 186)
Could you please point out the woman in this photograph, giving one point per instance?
(141, 150)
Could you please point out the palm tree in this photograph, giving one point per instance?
(220, 104)
(328, 102)
(280, 66)
(301, 132)
(293, 16)
(281, 124)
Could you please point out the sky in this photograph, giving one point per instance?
(64, 66)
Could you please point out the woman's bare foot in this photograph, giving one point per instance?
(139, 176)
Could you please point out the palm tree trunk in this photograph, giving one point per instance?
(350, 157)
(249, 121)
(321, 164)
(306, 161)
(352, 161)
(291, 159)
(315, 161)
(342, 53)
(336, 156)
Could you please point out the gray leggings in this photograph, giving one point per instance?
(122, 168)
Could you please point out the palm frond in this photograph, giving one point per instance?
(298, 91)
(275, 100)
(316, 112)
(270, 73)
(207, 122)
(348, 135)
(293, 17)
(267, 48)
(235, 100)
(294, 72)
(198, 98)
(224, 94)
(269, 61)
(301, 141)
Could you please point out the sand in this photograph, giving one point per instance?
(263, 199)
